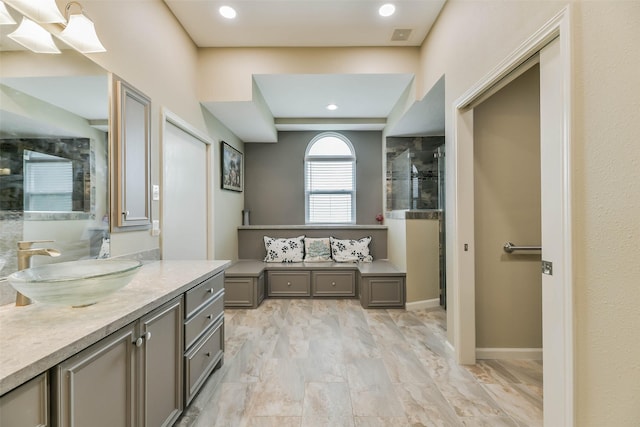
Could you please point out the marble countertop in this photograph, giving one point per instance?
(37, 337)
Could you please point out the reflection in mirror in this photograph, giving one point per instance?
(53, 120)
(47, 182)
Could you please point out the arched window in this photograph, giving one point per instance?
(330, 180)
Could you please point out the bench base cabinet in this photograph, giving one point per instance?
(133, 377)
(247, 292)
(27, 405)
(382, 292)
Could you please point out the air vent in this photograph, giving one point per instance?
(401, 35)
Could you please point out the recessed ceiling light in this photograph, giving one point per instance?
(228, 12)
(387, 10)
(332, 107)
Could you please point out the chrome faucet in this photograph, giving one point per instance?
(25, 252)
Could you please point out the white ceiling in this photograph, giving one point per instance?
(297, 102)
(304, 22)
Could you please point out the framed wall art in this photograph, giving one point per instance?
(232, 168)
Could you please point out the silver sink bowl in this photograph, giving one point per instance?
(75, 283)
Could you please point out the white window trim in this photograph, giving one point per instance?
(308, 158)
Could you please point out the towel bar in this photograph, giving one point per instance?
(510, 247)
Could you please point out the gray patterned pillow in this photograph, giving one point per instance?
(351, 250)
(289, 249)
(317, 249)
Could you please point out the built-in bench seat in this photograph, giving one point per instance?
(377, 284)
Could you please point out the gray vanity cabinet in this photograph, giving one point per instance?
(27, 405)
(132, 377)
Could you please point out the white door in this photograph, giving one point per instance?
(556, 281)
(185, 204)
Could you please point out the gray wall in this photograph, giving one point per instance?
(274, 178)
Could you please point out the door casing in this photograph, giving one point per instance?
(558, 368)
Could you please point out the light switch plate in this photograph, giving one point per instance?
(156, 192)
(155, 227)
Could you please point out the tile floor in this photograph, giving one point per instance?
(331, 363)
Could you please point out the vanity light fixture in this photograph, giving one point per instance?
(5, 16)
(332, 107)
(227, 12)
(80, 33)
(34, 37)
(387, 9)
(41, 11)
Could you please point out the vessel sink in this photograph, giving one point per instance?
(74, 283)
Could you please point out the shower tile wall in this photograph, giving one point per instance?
(419, 189)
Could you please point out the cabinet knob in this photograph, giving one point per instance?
(147, 336)
(138, 342)
(211, 290)
(210, 316)
(208, 354)
(333, 284)
(288, 283)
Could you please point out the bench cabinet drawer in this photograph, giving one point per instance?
(289, 284)
(334, 283)
(202, 358)
(201, 293)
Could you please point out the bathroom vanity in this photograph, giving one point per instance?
(137, 357)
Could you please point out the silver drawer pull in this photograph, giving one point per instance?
(333, 284)
(288, 283)
(147, 336)
(210, 291)
(138, 342)
(210, 316)
(208, 354)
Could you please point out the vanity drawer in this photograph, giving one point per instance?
(202, 359)
(289, 284)
(195, 326)
(334, 283)
(203, 292)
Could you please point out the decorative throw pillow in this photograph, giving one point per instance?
(317, 249)
(289, 249)
(351, 250)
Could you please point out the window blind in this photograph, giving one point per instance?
(330, 191)
(48, 186)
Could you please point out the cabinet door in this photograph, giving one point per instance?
(96, 387)
(132, 168)
(161, 366)
(27, 405)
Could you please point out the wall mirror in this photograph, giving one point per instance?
(54, 112)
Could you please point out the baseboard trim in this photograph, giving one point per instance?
(509, 353)
(421, 305)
